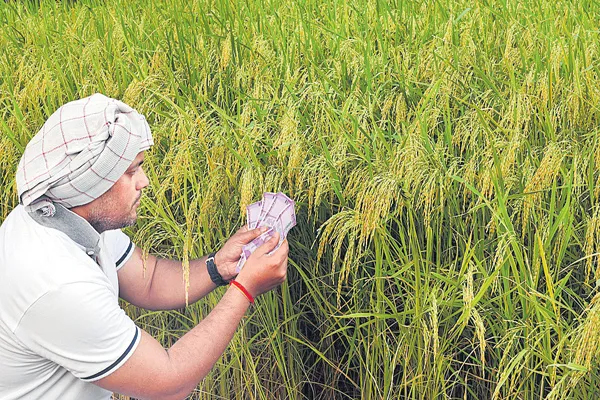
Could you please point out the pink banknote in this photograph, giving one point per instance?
(280, 204)
(267, 201)
(275, 210)
(253, 214)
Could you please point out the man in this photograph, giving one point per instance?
(64, 262)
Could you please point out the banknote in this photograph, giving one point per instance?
(276, 211)
(253, 214)
(267, 201)
(280, 204)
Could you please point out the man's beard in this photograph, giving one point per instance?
(103, 223)
(102, 220)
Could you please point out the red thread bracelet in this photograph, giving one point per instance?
(242, 289)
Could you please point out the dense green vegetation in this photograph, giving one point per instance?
(443, 155)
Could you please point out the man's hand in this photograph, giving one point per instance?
(227, 258)
(263, 271)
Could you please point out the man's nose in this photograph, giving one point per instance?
(143, 181)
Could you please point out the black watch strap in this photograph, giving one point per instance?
(213, 272)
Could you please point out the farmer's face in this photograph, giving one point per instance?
(117, 208)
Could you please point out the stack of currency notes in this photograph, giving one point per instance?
(275, 211)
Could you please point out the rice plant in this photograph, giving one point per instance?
(444, 157)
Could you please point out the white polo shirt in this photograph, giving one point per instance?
(61, 326)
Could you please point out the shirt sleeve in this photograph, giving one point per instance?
(80, 327)
(119, 246)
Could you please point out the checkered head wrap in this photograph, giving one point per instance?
(80, 152)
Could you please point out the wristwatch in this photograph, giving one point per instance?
(213, 272)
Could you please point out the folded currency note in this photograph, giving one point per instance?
(276, 211)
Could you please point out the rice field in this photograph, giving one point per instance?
(444, 157)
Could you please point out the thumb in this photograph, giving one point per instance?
(268, 246)
(251, 234)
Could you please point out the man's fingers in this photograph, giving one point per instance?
(269, 245)
(282, 251)
(250, 234)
